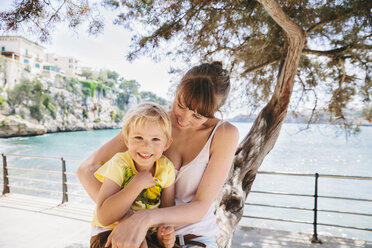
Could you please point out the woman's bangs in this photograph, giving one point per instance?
(197, 98)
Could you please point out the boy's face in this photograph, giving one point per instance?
(146, 144)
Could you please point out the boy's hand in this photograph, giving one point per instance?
(145, 179)
(166, 236)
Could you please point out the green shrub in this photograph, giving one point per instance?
(31, 94)
(85, 113)
(36, 111)
(122, 100)
(2, 101)
(91, 85)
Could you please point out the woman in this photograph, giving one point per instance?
(202, 151)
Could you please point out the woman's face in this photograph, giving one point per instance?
(186, 118)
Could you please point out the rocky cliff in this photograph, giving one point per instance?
(61, 105)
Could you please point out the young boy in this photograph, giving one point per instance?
(141, 178)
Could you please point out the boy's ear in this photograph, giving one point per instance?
(168, 144)
(125, 141)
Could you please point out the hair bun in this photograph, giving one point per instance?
(217, 63)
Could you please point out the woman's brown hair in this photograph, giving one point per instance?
(204, 88)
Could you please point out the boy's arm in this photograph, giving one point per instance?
(113, 203)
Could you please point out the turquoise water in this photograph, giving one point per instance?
(317, 149)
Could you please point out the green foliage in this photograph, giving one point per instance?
(103, 89)
(122, 100)
(71, 84)
(98, 120)
(38, 17)
(87, 74)
(25, 92)
(2, 101)
(130, 87)
(36, 111)
(49, 105)
(102, 85)
(151, 97)
(85, 92)
(117, 115)
(85, 113)
(112, 75)
(31, 94)
(91, 86)
(335, 65)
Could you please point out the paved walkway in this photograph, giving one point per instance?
(28, 221)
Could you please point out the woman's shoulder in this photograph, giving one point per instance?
(227, 126)
(226, 130)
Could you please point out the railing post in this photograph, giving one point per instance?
(5, 176)
(315, 223)
(64, 182)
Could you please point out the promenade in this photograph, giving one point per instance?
(29, 221)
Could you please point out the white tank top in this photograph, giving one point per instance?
(186, 185)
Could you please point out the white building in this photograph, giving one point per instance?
(67, 65)
(21, 54)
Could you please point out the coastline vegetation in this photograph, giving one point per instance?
(94, 100)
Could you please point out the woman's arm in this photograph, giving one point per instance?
(167, 197)
(130, 233)
(113, 203)
(222, 153)
(86, 170)
(166, 234)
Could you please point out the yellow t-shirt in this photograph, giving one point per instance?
(121, 170)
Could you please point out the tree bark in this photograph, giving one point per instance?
(264, 132)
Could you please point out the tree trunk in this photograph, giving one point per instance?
(264, 132)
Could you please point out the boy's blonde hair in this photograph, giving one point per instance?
(147, 112)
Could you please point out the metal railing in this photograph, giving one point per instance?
(316, 197)
(64, 191)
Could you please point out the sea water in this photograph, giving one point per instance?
(319, 149)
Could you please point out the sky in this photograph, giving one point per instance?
(106, 51)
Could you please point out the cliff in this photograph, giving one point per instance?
(64, 104)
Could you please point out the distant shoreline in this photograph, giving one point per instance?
(290, 118)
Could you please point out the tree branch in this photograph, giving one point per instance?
(320, 25)
(264, 132)
(314, 107)
(260, 67)
(323, 23)
(335, 52)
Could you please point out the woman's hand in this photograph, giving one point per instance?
(130, 232)
(166, 236)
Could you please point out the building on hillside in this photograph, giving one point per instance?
(21, 54)
(67, 65)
